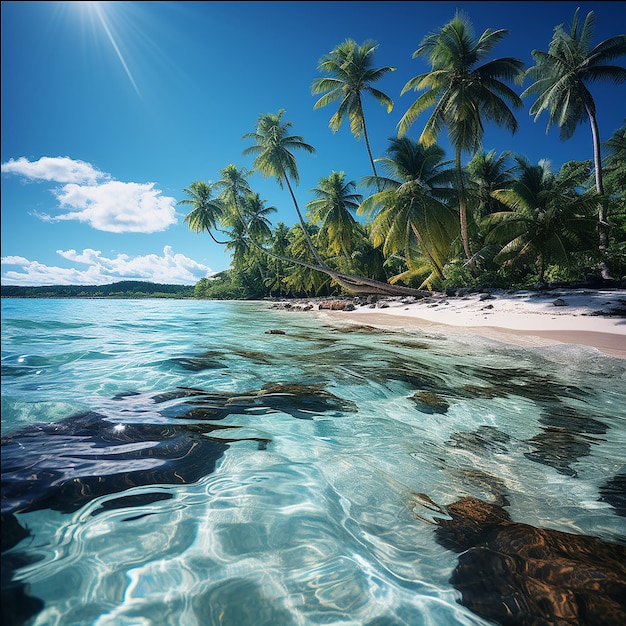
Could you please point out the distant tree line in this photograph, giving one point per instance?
(428, 222)
(122, 289)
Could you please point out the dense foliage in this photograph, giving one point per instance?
(423, 221)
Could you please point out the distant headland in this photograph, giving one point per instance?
(121, 289)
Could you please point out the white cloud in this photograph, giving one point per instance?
(90, 196)
(170, 268)
(117, 207)
(15, 260)
(55, 169)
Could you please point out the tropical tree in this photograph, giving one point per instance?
(207, 210)
(332, 210)
(489, 172)
(615, 190)
(463, 93)
(238, 244)
(547, 218)
(233, 185)
(278, 266)
(274, 148)
(274, 157)
(368, 258)
(561, 78)
(412, 212)
(615, 162)
(255, 212)
(351, 74)
(302, 277)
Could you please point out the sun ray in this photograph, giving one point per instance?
(97, 8)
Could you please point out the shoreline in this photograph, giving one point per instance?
(595, 318)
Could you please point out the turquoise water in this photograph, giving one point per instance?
(173, 462)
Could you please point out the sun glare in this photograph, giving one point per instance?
(99, 13)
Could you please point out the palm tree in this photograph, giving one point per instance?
(233, 186)
(489, 172)
(335, 199)
(277, 263)
(615, 185)
(368, 258)
(412, 212)
(546, 218)
(274, 157)
(238, 244)
(561, 77)
(462, 92)
(615, 162)
(207, 211)
(351, 73)
(255, 212)
(302, 277)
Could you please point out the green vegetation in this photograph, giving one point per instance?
(122, 289)
(421, 221)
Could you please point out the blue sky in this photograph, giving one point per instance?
(111, 109)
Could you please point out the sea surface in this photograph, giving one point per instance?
(172, 462)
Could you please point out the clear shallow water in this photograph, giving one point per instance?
(281, 505)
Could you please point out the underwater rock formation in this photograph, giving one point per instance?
(520, 575)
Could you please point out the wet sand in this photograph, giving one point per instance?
(579, 317)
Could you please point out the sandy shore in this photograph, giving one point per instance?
(588, 317)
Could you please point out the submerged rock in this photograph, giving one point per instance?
(614, 492)
(430, 402)
(296, 399)
(63, 466)
(484, 439)
(198, 363)
(558, 448)
(520, 575)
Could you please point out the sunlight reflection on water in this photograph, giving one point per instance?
(316, 526)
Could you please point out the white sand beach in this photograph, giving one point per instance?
(589, 317)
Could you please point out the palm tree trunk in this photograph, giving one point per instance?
(462, 206)
(427, 252)
(603, 226)
(221, 243)
(355, 284)
(369, 151)
(312, 247)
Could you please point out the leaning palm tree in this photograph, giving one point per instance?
(350, 74)
(335, 202)
(412, 213)
(463, 94)
(561, 83)
(274, 157)
(546, 218)
(207, 211)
